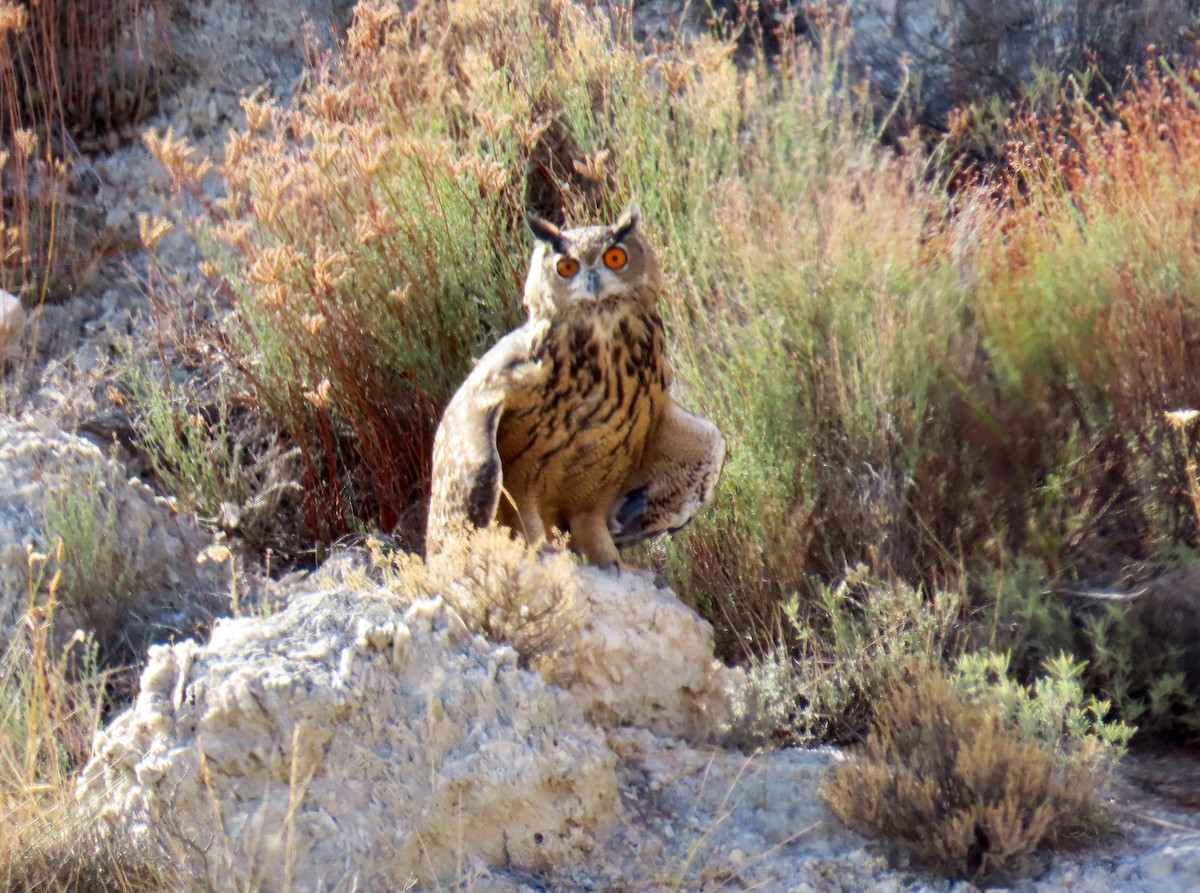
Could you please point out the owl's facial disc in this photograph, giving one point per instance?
(586, 264)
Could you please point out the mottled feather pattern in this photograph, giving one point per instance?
(676, 478)
(467, 477)
(567, 422)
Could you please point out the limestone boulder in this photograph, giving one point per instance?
(645, 659)
(128, 568)
(351, 743)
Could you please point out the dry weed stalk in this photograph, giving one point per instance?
(53, 699)
(1180, 420)
(503, 589)
(72, 75)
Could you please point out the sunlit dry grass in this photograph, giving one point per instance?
(53, 695)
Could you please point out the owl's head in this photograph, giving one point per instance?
(571, 267)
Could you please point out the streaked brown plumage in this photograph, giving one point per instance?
(567, 422)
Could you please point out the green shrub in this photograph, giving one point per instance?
(228, 464)
(853, 642)
(82, 527)
(970, 772)
(1137, 642)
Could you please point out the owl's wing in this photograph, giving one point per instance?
(676, 478)
(466, 462)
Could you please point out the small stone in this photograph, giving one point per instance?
(1157, 866)
(12, 319)
(119, 219)
(88, 358)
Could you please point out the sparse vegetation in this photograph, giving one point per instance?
(501, 588)
(857, 640)
(82, 525)
(73, 76)
(235, 469)
(52, 700)
(970, 772)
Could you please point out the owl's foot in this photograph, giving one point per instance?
(589, 534)
(617, 567)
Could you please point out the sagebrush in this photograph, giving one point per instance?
(971, 773)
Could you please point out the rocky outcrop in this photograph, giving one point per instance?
(946, 54)
(360, 740)
(645, 659)
(938, 55)
(350, 743)
(12, 322)
(628, 650)
(128, 559)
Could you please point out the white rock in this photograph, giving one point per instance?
(12, 320)
(297, 753)
(1158, 866)
(646, 659)
(135, 556)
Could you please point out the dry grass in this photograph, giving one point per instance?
(77, 858)
(962, 780)
(1092, 315)
(371, 245)
(52, 702)
(503, 589)
(73, 76)
(81, 73)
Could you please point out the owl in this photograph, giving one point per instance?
(567, 423)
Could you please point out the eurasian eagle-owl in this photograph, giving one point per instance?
(567, 422)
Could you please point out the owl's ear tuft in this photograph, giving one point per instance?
(545, 231)
(628, 223)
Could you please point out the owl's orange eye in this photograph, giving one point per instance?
(615, 257)
(567, 267)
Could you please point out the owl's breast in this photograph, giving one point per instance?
(605, 389)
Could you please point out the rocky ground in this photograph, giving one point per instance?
(632, 810)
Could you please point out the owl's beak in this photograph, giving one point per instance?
(593, 283)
